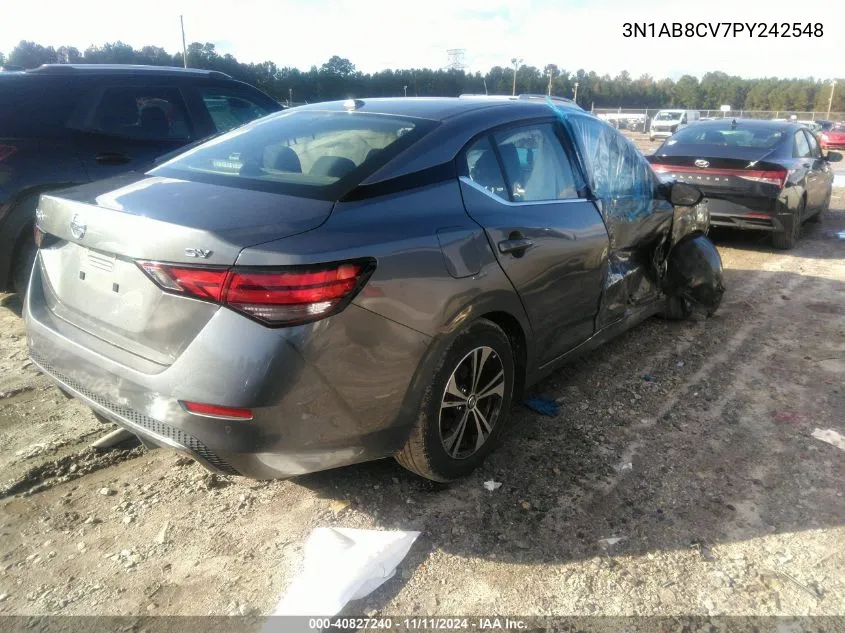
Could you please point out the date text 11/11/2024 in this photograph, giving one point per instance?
(419, 624)
(722, 29)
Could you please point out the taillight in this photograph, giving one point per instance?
(276, 297)
(201, 283)
(775, 177)
(6, 151)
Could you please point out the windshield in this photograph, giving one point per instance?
(667, 116)
(762, 137)
(313, 154)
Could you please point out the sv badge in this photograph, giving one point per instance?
(197, 252)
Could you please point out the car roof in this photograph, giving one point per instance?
(88, 70)
(438, 108)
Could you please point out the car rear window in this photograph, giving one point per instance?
(313, 154)
(761, 137)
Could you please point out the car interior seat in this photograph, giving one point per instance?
(120, 111)
(153, 123)
(333, 166)
(287, 160)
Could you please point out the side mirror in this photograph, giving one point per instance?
(833, 157)
(683, 195)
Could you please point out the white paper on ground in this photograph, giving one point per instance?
(831, 437)
(343, 564)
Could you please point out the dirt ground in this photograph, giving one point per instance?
(689, 442)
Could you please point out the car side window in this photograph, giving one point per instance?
(535, 163)
(802, 147)
(482, 166)
(139, 113)
(616, 168)
(815, 151)
(229, 110)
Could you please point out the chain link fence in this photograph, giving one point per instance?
(639, 119)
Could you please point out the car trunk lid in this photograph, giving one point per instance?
(95, 234)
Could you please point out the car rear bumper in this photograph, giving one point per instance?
(323, 395)
(759, 214)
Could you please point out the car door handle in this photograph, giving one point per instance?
(516, 246)
(112, 158)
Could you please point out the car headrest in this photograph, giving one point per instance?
(287, 160)
(334, 166)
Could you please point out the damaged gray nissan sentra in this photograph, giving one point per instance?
(355, 280)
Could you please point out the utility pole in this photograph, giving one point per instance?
(484, 79)
(575, 97)
(184, 48)
(830, 101)
(290, 97)
(550, 82)
(516, 62)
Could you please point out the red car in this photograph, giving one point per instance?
(833, 138)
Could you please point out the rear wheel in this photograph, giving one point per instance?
(465, 407)
(785, 240)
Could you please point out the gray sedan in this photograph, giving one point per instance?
(356, 280)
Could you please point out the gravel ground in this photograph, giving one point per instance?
(688, 445)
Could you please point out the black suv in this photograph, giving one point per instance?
(65, 124)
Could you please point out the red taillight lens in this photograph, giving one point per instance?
(294, 296)
(6, 151)
(772, 177)
(277, 297)
(202, 283)
(217, 411)
(777, 177)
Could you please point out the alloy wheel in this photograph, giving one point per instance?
(472, 402)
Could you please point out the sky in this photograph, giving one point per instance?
(379, 34)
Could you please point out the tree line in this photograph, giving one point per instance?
(338, 78)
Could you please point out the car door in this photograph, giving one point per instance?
(804, 163)
(821, 174)
(125, 127)
(522, 186)
(636, 216)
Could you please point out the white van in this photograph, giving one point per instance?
(666, 122)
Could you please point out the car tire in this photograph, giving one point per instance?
(680, 309)
(677, 309)
(458, 425)
(786, 240)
